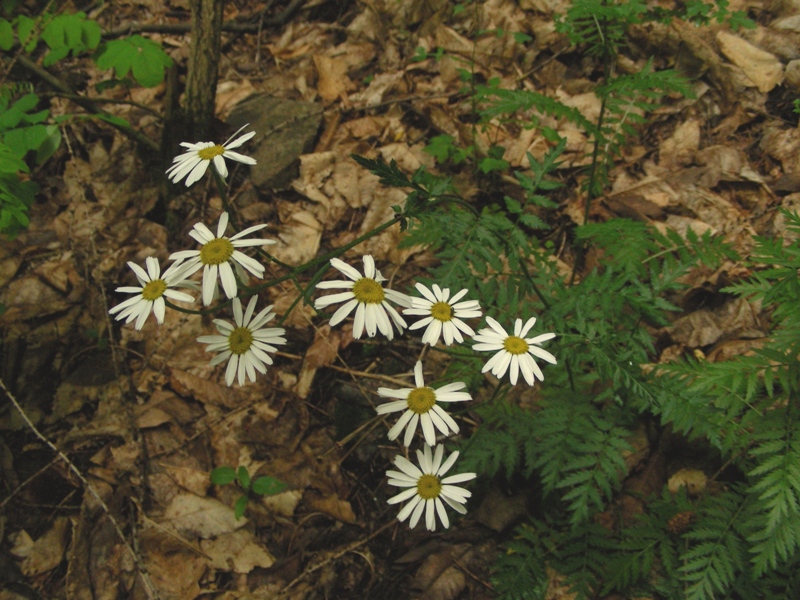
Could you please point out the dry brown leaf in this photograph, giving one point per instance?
(207, 392)
(332, 506)
(283, 504)
(44, 554)
(678, 149)
(237, 552)
(192, 515)
(693, 480)
(762, 68)
(697, 329)
(333, 80)
(174, 567)
(299, 238)
(322, 352)
(231, 93)
(438, 578)
(192, 480)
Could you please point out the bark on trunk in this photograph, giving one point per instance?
(201, 81)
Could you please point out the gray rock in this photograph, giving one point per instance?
(285, 129)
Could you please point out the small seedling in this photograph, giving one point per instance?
(261, 486)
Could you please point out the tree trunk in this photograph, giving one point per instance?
(201, 81)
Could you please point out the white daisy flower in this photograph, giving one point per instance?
(442, 316)
(246, 344)
(366, 294)
(150, 296)
(515, 351)
(427, 487)
(194, 161)
(217, 256)
(420, 404)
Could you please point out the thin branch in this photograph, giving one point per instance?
(229, 27)
(86, 103)
(149, 587)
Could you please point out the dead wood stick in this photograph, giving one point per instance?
(84, 102)
(329, 557)
(229, 26)
(149, 587)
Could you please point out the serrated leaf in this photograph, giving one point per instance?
(145, 59)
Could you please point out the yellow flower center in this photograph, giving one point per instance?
(368, 291)
(429, 487)
(421, 400)
(210, 153)
(216, 252)
(153, 290)
(515, 345)
(240, 340)
(442, 311)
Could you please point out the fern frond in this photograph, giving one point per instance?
(776, 490)
(520, 573)
(714, 557)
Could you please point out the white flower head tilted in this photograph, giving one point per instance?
(514, 352)
(155, 286)
(219, 255)
(366, 294)
(442, 314)
(421, 406)
(245, 343)
(193, 163)
(428, 486)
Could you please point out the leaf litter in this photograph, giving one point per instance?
(149, 431)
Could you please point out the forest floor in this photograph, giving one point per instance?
(144, 416)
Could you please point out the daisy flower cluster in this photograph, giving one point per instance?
(247, 343)
(442, 316)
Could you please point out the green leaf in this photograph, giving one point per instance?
(489, 164)
(144, 58)
(113, 120)
(26, 33)
(244, 477)
(69, 33)
(49, 145)
(223, 475)
(6, 35)
(24, 139)
(240, 507)
(15, 198)
(268, 486)
(10, 162)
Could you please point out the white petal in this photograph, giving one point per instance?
(419, 380)
(342, 312)
(346, 269)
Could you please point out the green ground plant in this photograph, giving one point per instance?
(739, 541)
(260, 486)
(29, 135)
